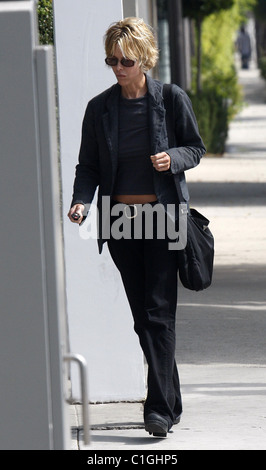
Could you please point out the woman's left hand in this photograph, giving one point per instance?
(161, 161)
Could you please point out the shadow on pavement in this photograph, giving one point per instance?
(227, 194)
(227, 322)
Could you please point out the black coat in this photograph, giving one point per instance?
(98, 156)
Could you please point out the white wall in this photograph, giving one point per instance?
(100, 322)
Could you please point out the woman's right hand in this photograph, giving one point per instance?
(76, 209)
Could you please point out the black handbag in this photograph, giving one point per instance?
(196, 259)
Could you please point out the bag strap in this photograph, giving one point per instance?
(169, 118)
(168, 105)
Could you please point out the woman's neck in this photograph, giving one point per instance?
(136, 89)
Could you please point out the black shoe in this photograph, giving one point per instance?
(156, 425)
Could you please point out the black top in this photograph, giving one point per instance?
(135, 171)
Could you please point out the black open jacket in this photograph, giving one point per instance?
(98, 156)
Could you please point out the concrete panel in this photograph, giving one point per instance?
(30, 356)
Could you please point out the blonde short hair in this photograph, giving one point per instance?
(136, 41)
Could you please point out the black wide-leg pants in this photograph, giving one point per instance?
(149, 273)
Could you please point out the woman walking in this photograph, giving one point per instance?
(125, 154)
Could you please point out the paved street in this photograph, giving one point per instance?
(221, 332)
(221, 347)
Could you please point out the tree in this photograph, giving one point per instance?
(260, 10)
(260, 15)
(198, 10)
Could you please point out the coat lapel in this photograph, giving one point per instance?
(156, 116)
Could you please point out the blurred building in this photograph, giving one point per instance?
(173, 34)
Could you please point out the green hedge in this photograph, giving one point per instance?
(215, 107)
(221, 97)
(45, 19)
(211, 110)
(262, 67)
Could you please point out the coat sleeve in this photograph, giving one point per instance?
(189, 146)
(87, 170)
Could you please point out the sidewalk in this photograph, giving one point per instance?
(221, 353)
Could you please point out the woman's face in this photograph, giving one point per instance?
(126, 75)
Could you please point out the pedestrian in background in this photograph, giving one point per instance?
(244, 47)
(125, 154)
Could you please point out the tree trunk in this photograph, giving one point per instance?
(177, 46)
